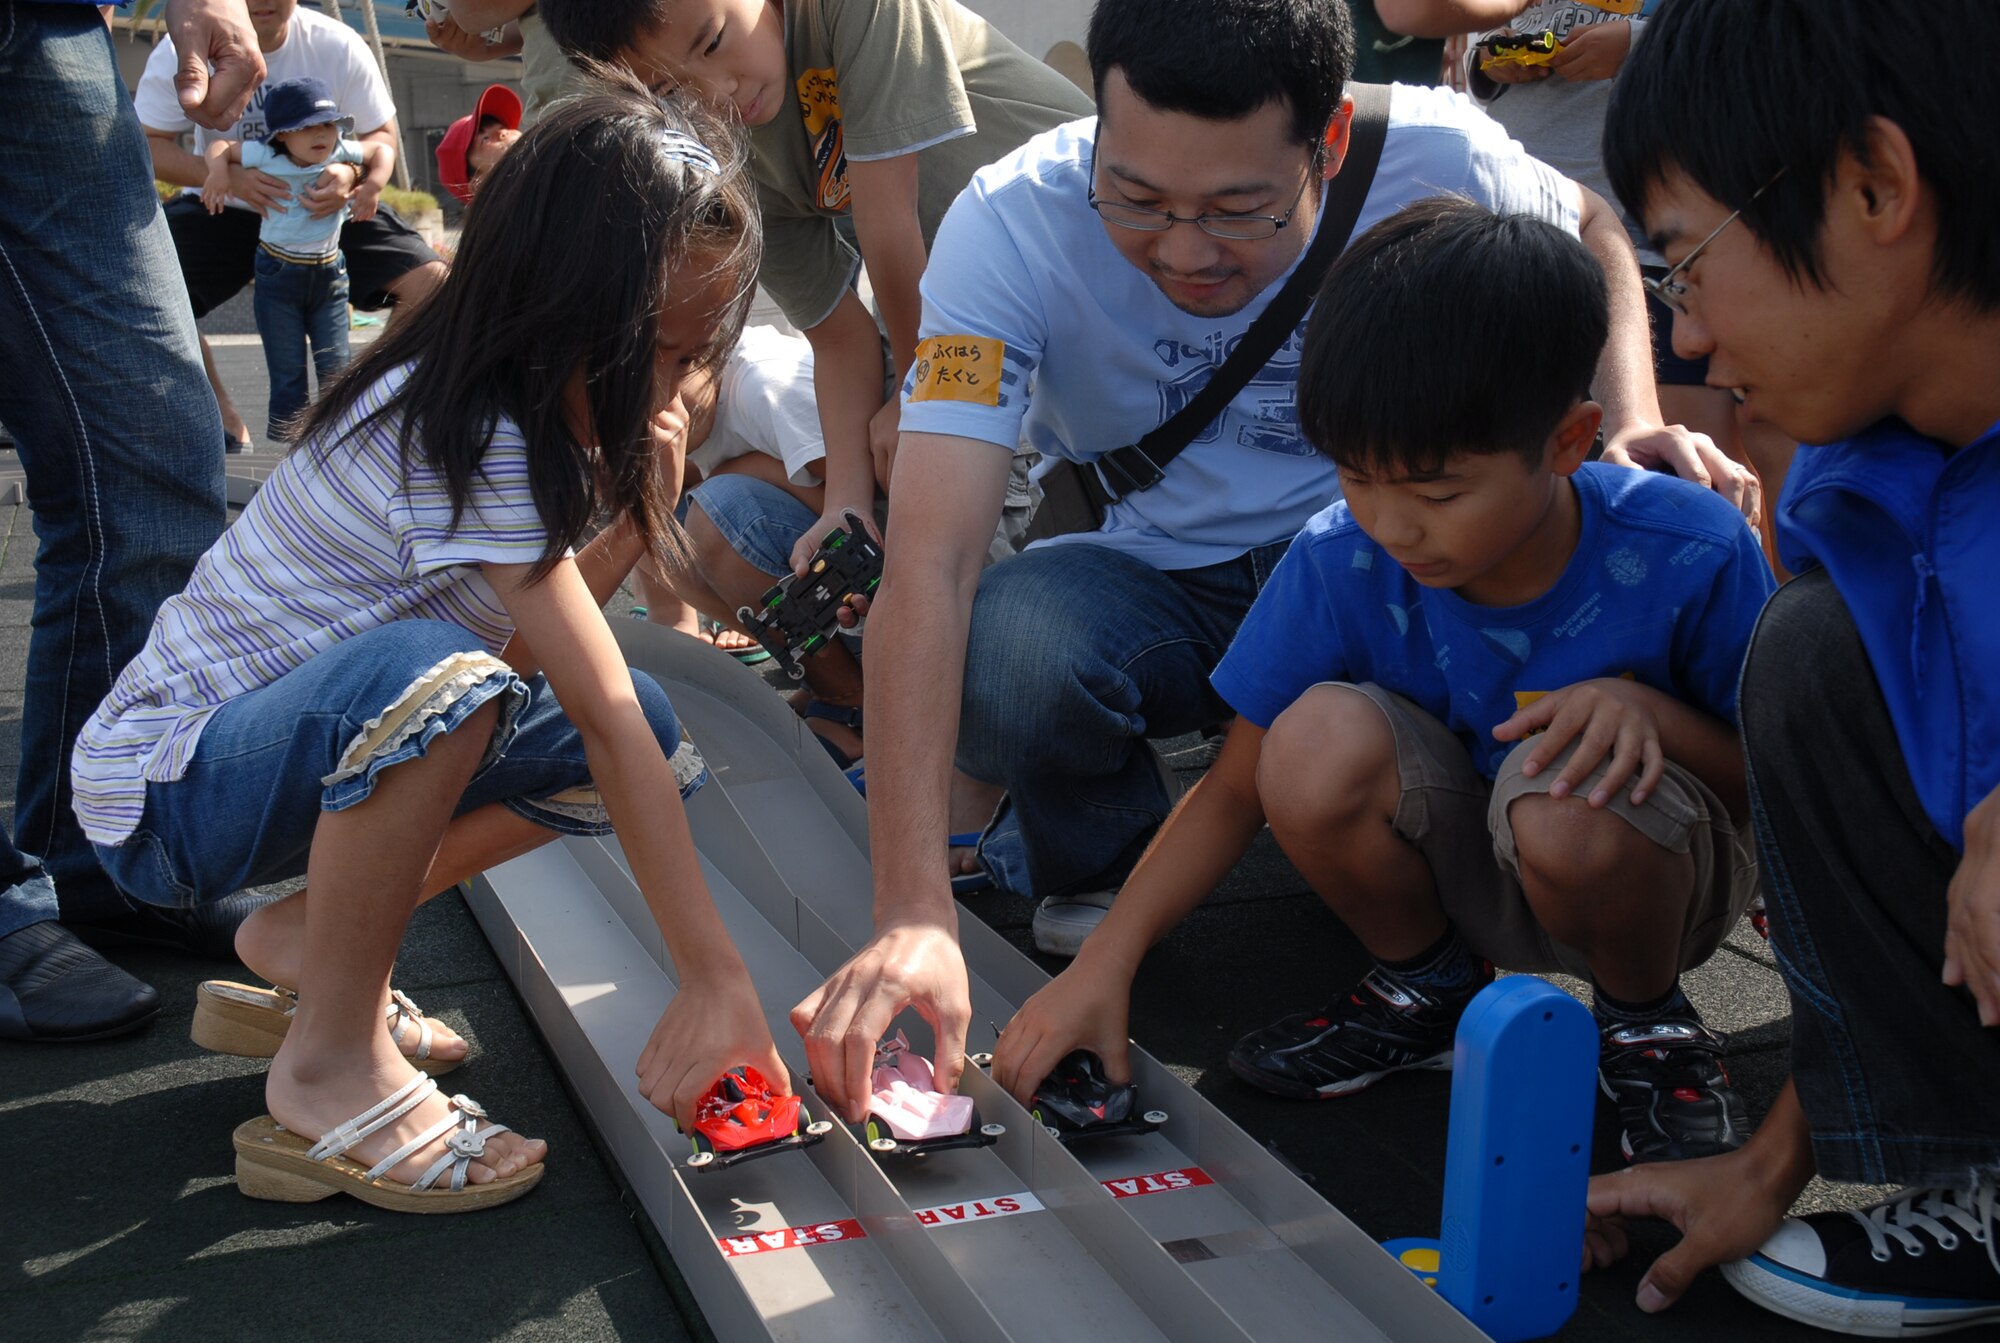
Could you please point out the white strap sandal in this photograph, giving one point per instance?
(251, 1022)
(275, 1164)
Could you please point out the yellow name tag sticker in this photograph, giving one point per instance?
(958, 368)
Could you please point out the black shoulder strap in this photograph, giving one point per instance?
(1141, 465)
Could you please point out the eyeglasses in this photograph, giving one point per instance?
(1672, 291)
(1234, 228)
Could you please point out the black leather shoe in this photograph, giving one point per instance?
(54, 988)
(205, 930)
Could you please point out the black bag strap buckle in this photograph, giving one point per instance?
(1127, 471)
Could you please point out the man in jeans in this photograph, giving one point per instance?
(1832, 224)
(120, 440)
(1110, 265)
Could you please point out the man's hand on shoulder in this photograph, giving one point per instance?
(1691, 456)
(915, 964)
(214, 33)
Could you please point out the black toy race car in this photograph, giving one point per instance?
(1077, 1101)
(799, 615)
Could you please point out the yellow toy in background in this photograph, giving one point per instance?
(1518, 49)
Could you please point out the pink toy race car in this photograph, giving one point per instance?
(909, 1116)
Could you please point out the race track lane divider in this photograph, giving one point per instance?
(1194, 1232)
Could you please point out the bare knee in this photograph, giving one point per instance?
(1328, 762)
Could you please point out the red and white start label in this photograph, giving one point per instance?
(791, 1238)
(1160, 1182)
(979, 1210)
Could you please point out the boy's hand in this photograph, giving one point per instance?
(1606, 717)
(815, 537)
(1972, 936)
(1080, 1009)
(448, 37)
(1593, 53)
(714, 1023)
(1724, 1206)
(260, 191)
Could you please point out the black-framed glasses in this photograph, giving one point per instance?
(1669, 288)
(1233, 228)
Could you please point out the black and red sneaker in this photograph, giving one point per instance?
(1674, 1097)
(1384, 1026)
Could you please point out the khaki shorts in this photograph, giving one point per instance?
(1459, 823)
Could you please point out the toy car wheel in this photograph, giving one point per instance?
(881, 1144)
(1052, 1130)
(744, 615)
(993, 1130)
(1155, 1117)
(819, 1128)
(700, 1159)
(980, 1060)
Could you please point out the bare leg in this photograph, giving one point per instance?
(411, 288)
(1597, 884)
(232, 419)
(370, 864)
(1328, 778)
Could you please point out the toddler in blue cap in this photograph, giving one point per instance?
(301, 293)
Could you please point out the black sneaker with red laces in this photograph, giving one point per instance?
(1674, 1097)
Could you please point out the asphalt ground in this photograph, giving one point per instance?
(118, 1219)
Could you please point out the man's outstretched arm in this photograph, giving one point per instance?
(949, 493)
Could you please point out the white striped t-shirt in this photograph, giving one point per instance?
(325, 551)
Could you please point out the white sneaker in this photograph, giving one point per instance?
(1063, 922)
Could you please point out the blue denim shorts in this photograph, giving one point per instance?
(316, 739)
(760, 522)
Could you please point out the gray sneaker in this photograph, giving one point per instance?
(1062, 923)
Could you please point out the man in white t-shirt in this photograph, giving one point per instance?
(387, 262)
(1091, 272)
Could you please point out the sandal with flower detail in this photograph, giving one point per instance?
(275, 1164)
(242, 1019)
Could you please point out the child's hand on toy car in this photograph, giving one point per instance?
(1593, 53)
(1074, 1011)
(710, 1027)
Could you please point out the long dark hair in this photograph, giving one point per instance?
(576, 242)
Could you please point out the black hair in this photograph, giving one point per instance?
(598, 30)
(1224, 59)
(489, 120)
(1447, 328)
(1729, 92)
(584, 232)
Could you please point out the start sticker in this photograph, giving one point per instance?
(958, 368)
(980, 1210)
(791, 1238)
(1160, 1182)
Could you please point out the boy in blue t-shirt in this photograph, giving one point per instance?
(301, 294)
(1487, 702)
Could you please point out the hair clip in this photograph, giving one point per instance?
(684, 148)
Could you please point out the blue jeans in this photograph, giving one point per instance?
(760, 522)
(1894, 1072)
(1077, 654)
(268, 763)
(296, 304)
(103, 389)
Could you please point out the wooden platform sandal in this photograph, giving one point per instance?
(242, 1019)
(278, 1165)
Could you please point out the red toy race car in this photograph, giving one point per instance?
(741, 1118)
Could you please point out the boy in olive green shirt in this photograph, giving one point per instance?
(877, 111)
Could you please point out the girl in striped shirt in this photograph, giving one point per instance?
(393, 671)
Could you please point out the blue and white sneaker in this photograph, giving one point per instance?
(1920, 1262)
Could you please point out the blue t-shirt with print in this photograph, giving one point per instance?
(288, 226)
(1664, 586)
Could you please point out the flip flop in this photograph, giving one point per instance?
(843, 717)
(250, 1022)
(969, 883)
(276, 1164)
(749, 657)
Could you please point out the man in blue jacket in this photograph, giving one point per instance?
(1821, 176)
